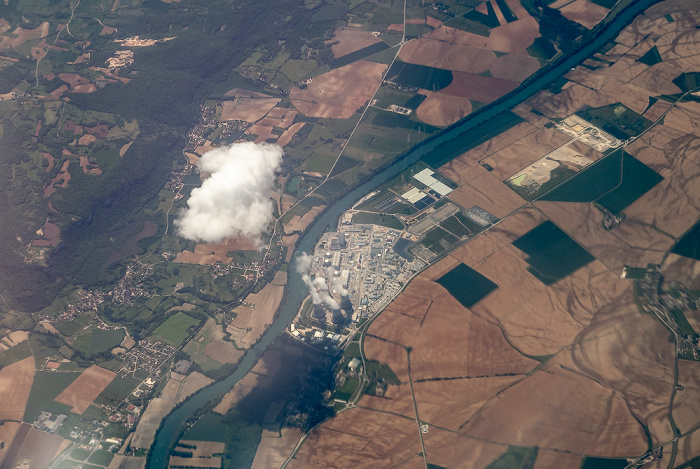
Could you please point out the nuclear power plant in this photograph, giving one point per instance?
(352, 274)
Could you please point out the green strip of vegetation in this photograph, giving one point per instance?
(360, 54)
(377, 219)
(471, 139)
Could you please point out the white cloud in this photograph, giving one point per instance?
(235, 199)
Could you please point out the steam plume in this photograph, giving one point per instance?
(318, 288)
(234, 200)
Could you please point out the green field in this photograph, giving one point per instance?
(603, 463)
(377, 219)
(419, 76)
(437, 240)
(208, 428)
(471, 139)
(98, 341)
(383, 371)
(46, 387)
(80, 454)
(456, 227)
(102, 458)
(616, 119)
(119, 388)
(175, 329)
(614, 182)
(515, 457)
(689, 244)
(683, 324)
(68, 328)
(552, 254)
(466, 285)
(352, 350)
(240, 435)
(345, 391)
(15, 354)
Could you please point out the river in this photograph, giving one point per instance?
(297, 291)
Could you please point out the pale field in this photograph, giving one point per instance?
(584, 12)
(8, 430)
(239, 392)
(210, 253)
(525, 151)
(15, 383)
(630, 353)
(554, 317)
(397, 398)
(514, 67)
(478, 87)
(205, 449)
(290, 243)
(274, 449)
(262, 132)
(547, 459)
(684, 117)
(173, 393)
(16, 337)
(287, 135)
(440, 110)
(468, 165)
(476, 348)
(127, 462)
(686, 405)
(345, 41)
(449, 56)
(249, 109)
(538, 411)
(216, 347)
(279, 117)
(674, 204)
(628, 244)
(682, 269)
(23, 35)
(297, 223)
(86, 387)
(359, 438)
(339, 93)
(85, 88)
(49, 327)
(489, 193)
(446, 449)
(513, 37)
(451, 404)
(34, 449)
(222, 351)
(255, 320)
